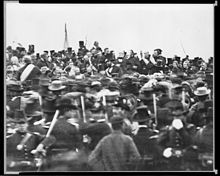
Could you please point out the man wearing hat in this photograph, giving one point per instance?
(146, 146)
(28, 71)
(82, 50)
(95, 130)
(20, 145)
(66, 128)
(57, 88)
(198, 111)
(115, 151)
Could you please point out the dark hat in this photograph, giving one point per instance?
(105, 81)
(48, 105)
(116, 119)
(19, 116)
(158, 50)
(44, 82)
(69, 49)
(113, 85)
(15, 87)
(81, 43)
(175, 104)
(65, 102)
(46, 52)
(142, 114)
(32, 107)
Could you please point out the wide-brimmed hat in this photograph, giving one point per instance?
(56, 85)
(200, 91)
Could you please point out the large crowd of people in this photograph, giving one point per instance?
(89, 110)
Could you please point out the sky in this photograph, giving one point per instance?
(178, 29)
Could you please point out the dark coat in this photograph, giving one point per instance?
(96, 131)
(13, 154)
(67, 135)
(35, 73)
(145, 145)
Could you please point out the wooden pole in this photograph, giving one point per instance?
(155, 107)
(53, 123)
(83, 109)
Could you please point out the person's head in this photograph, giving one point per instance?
(186, 64)
(27, 59)
(96, 43)
(157, 52)
(89, 54)
(146, 55)
(175, 64)
(106, 51)
(22, 126)
(117, 122)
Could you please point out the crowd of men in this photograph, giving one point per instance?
(90, 110)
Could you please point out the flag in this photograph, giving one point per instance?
(66, 44)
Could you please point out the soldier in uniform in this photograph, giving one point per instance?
(143, 138)
(20, 145)
(198, 111)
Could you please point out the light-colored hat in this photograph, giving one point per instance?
(200, 91)
(56, 85)
(96, 83)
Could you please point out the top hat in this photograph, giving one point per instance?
(48, 105)
(56, 85)
(200, 91)
(65, 102)
(81, 42)
(19, 116)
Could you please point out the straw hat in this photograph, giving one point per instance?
(56, 85)
(200, 91)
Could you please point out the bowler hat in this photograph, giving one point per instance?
(56, 85)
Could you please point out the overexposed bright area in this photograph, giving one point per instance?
(177, 29)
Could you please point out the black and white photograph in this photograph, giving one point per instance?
(109, 87)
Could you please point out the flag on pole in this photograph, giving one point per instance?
(66, 44)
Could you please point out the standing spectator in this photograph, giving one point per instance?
(29, 71)
(116, 151)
